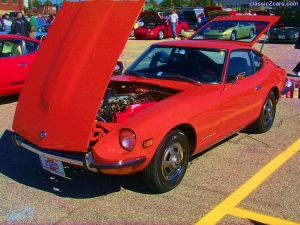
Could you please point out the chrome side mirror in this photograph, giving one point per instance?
(118, 68)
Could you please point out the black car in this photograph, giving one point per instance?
(288, 27)
(284, 33)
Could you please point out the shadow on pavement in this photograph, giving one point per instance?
(8, 99)
(24, 167)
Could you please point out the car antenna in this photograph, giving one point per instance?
(264, 41)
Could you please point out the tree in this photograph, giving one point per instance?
(35, 3)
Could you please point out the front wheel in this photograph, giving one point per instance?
(182, 31)
(251, 33)
(168, 165)
(267, 115)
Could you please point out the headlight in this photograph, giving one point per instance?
(127, 139)
(297, 35)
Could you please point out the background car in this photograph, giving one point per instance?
(288, 27)
(16, 56)
(284, 32)
(230, 30)
(155, 27)
(189, 15)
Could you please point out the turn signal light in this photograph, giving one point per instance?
(127, 139)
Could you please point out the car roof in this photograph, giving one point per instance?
(11, 36)
(204, 44)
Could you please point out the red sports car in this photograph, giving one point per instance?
(177, 99)
(157, 28)
(16, 56)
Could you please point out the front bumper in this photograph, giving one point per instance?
(84, 159)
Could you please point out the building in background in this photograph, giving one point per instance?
(11, 5)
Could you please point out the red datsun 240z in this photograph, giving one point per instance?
(177, 99)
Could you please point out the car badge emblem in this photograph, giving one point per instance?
(43, 134)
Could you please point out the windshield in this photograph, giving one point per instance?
(180, 63)
(245, 31)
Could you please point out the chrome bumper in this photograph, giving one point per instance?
(85, 160)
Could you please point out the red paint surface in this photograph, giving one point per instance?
(72, 70)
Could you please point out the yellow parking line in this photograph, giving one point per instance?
(242, 213)
(243, 191)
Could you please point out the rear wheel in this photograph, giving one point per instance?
(233, 36)
(161, 35)
(267, 115)
(168, 165)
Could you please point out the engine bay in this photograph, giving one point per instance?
(122, 100)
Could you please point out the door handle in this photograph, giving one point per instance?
(22, 65)
(257, 88)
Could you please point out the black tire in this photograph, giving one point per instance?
(169, 163)
(233, 36)
(267, 115)
(161, 35)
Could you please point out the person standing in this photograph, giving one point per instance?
(40, 20)
(6, 22)
(20, 25)
(32, 32)
(174, 23)
(33, 22)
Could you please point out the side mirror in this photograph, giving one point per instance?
(118, 68)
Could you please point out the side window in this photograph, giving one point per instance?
(239, 62)
(257, 60)
(11, 48)
(31, 47)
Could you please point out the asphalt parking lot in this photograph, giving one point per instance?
(246, 179)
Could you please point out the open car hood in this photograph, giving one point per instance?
(58, 105)
(150, 17)
(261, 25)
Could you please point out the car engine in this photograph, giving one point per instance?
(124, 101)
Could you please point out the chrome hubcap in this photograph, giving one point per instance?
(233, 36)
(172, 163)
(268, 112)
(161, 35)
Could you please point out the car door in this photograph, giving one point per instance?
(16, 57)
(12, 62)
(241, 97)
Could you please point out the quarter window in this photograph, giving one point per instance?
(239, 63)
(31, 46)
(257, 61)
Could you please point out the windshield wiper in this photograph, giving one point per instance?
(180, 77)
(135, 73)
